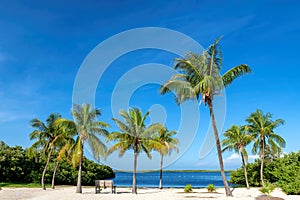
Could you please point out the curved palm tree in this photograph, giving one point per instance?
(168, 143)
(236, 138)
(63, 143)
(200, 79)
(44, 135)
(261, 126)
(134, 135)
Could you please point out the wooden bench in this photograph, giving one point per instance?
(104, 184)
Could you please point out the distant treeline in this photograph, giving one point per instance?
(17, 167)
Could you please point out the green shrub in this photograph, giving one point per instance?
(269, 187)
(253, 169)
(17, 167)
(283, 172)
(211, 188)
(292, 188)
(188, 188)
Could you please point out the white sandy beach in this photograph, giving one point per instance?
(66, 193)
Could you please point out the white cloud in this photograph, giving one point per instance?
(253, 157)
(234, 156)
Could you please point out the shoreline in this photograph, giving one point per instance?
(183, 170)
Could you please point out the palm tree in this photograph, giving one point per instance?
(134, 135)
(200, 79)
(87, 128)
(63, 143)
(261, 126)
(168, 143)
(44, 135)
(236, 138)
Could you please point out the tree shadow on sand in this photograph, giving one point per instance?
(265, 197)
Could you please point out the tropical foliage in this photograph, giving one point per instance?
(17, 167)
(168, 144)
(200, 79)
(188, 188)
(283, 172)
(211, 188)
(87, 128)
(261, 127)
(45, 135)
(236, 139)
(268, 188)
(134, 135)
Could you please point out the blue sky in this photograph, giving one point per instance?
(43, 43)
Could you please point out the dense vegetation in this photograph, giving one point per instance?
(16, 166)
(283, 172)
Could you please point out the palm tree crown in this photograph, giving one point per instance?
(200, 75)
(262, 128)
(236, 139)
(166, 138)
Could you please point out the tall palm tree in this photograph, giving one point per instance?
(88, 128)
(168, 143)
(236, 138)
(200, 79)
(261, 126)
(44, 134)
(134, 135)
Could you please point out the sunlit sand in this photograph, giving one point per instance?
(61, 193)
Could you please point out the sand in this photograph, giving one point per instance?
(66, 193)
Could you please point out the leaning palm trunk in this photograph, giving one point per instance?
(227, 189)
(262, 163)
(54, 173)
(79, 188)
(45, 168)
(134, 189)
(245, 171)
(160, 172)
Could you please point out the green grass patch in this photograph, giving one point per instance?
(21, 185)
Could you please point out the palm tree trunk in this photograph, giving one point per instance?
(54, 173)
(160, 172)
(227, 189)
(262, 163)
(245, 171)
(45, 168)
(134, 189)
(79, 188)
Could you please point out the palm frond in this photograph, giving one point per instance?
(98, 148)
(234, 73)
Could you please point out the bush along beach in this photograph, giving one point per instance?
(17, 167)
(283, 172)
